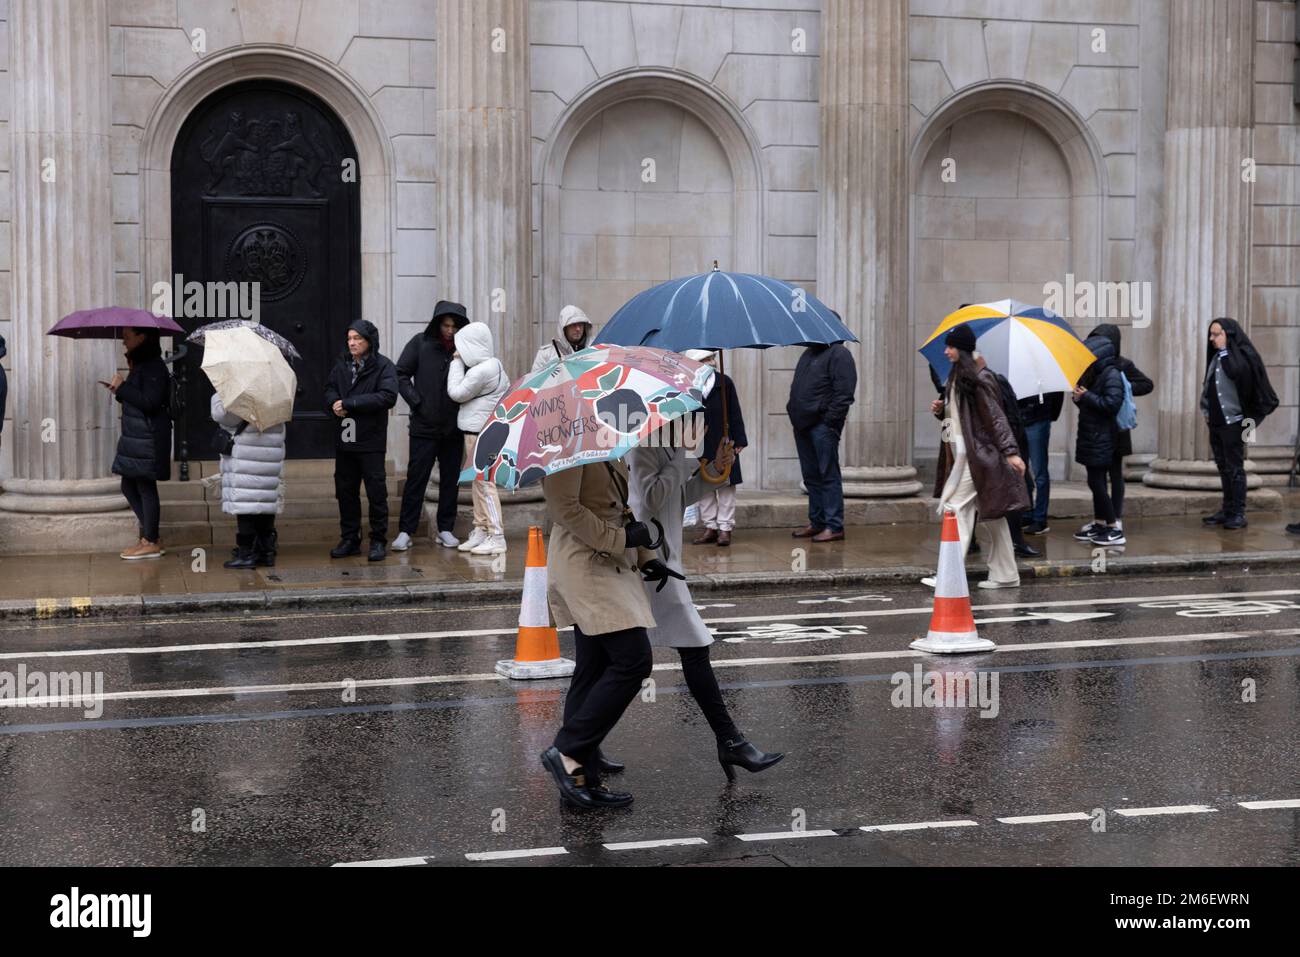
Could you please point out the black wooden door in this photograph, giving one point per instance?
(263, 191)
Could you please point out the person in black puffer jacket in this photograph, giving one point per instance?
(824, 386)
(362, 387)
(1099, 395)
(1141, 385)
(143, 456)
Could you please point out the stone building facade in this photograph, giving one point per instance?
(896, 157)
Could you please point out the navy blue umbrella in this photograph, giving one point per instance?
(723, 310)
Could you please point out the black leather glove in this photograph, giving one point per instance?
(656, 571)
(638, 535)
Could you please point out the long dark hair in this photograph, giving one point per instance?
(965, 375)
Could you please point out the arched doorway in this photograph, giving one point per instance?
(260, 192)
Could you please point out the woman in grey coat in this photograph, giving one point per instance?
(664, 480)
(251, 487)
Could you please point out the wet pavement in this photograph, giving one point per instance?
(353, 737)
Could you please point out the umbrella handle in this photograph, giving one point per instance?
(654, 546)
(720, 479)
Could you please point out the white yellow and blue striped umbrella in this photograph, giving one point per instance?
(1033, 347)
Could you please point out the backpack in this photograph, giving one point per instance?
(1127, 417)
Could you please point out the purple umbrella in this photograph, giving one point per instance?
(107, 323)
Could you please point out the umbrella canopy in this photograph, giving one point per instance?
(108, 323)
(592, 406)
(280, 342)
(1033, 347)
(723, 310)
(250, 376)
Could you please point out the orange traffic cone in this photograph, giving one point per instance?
(537, 649)
(952, 626)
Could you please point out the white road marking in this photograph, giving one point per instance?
(49, 701)
(1170, 809)
(918, 825)
(1064, 617)
(1268, 805)
(390, 862)
(642, 845)
(497, 632)
(1046, 818)
(784, 835)
(511, 855)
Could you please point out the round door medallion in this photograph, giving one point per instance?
(270, 254)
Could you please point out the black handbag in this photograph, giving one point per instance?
(223, 442)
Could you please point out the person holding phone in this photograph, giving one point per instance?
(143, 456)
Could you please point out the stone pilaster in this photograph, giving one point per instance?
(63, 429)
(1207, 220)
(484, 168)
(862, 242)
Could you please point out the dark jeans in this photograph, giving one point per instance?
(819, 461)
(608, 674)
(142, 495)
(1039, 434)
(447, 450)
(255, 524)
(1230, 457)
(350, 470)
(1117, 485)
(1103, 509)
(703, 685)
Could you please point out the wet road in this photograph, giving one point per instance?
(1125, 721)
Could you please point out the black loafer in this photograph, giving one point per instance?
(573, 787)
(604, 797)
(346, 547)
(1218, 518)
(608, 765)
(1026, 551)
(377, 552)
(1294, 528)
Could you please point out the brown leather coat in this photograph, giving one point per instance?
(989, 440)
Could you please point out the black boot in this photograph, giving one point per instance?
(737, 752)
(243, 552)
(346, 547)
(264, 549)
(378, 551)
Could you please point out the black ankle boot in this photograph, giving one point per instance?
(264, 549)
(243, 553)
(737, 752)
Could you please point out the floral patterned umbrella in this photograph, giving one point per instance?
(592, 406)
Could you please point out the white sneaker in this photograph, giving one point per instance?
(475, 539)
(990, 583)
(491, 545)
(447, 540)
(402, 542)
(929, 581)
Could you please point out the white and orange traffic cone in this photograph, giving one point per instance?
(952, 626)
(537, 648)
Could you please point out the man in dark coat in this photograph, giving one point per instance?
(422, 377)
(143, 456)
(1037, 415)
(1236, 391)
(362, 387)
(825, 384)
(1141, 385)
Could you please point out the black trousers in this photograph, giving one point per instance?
(142, 495)
(350, 470)
(447, 450)
(1230, 456)
(703, 685)
(255, 524)
(1117, 485)
(1102, 506)
(608, 674)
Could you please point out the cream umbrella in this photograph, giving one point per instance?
(250, 376)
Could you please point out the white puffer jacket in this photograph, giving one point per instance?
(251, 474)
(558, 348)
(476, 378)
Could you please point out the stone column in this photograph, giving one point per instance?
(64, 427)
(1206, 243)
(862, 242)
(484, 168)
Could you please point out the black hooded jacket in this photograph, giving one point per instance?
(1245, 368)
(367, 401)
(1097, 436)
(422, 377)
(1137, 379)
(144, 450)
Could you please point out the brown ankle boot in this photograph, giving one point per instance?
(708, 538)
